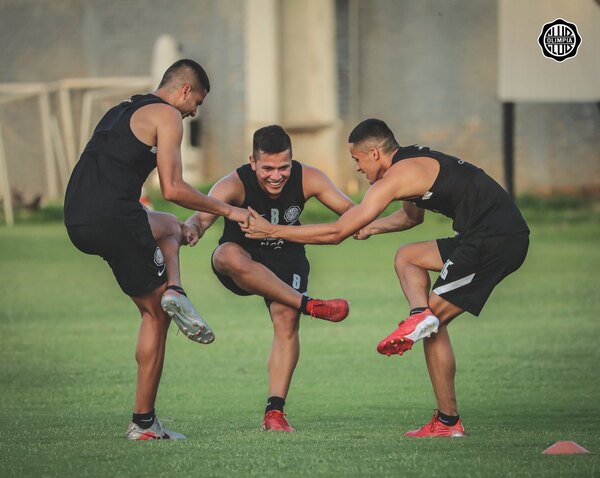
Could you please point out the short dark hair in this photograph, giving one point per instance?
(180, 71)
(271, 140)
(374, 130)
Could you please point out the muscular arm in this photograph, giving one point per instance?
(317, 184)
(375, 201)
(169, 132)
(405, 218)
(229, 190)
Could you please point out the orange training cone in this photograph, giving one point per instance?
(565, 448)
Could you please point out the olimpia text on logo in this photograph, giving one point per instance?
(559, 40)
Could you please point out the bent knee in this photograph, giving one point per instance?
(228, 258)
(172, 225)
(405, 255)
(422, 254)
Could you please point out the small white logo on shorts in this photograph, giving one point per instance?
(444, 271)
(427, 195)
(159, 260)
(153, 149)
(292, 214)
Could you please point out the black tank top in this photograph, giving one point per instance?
(476, 203)
(286, 209)
(106, 183)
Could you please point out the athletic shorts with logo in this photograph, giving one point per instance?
(131, 251)
(474, 266)
(291, 266)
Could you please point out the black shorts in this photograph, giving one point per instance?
(131, 251)
(474, 266)
(291, 266)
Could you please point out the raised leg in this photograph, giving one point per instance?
(167, 234)
(232, 260)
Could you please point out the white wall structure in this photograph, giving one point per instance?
(291, 76)
(525, 74)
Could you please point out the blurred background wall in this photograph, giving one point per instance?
(427, 67)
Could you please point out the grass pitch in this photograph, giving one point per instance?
(527, 369)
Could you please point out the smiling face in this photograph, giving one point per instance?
(272, 171)
(367, 160)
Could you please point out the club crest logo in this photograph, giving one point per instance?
(292, 214)
(559, 40)
(159, 260)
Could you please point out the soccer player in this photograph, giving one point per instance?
(276, 186)
(491, 241)
(104, 217)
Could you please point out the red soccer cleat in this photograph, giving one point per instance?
(275, 422)
(435, 428)
(334, 310)
(414, 328)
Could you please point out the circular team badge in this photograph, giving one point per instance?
(159, 260)
(559, 40)
(292, 214)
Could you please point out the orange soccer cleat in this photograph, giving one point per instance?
(275, 422)
(435, 428)
(411, 330)
(334, 310)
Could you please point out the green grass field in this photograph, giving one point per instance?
(527, 369)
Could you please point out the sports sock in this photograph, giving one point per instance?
(275, 403)
(144, 420)
(448, 420)
(304, 304)
(177, 289)
(417, 310)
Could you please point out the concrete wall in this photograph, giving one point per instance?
(427, 67)
(47, 40)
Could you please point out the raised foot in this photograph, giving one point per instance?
(334, 310)
(184, 314)
(416, 327)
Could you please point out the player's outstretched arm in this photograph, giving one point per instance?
(169, 135)
(405, 218)
(229, 190)
(375, 201)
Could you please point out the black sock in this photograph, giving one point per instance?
(144, 420)
(449, 420)
(177, 289)
(304, 303)
(417, 310)
(275, 403)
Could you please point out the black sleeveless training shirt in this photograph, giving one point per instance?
(476, 203)
(106, 183)
(286, 209)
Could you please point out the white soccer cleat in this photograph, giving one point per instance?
(155, 432)
(184, 314)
